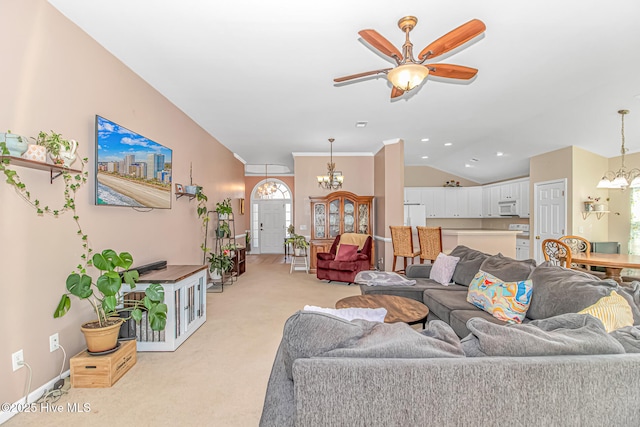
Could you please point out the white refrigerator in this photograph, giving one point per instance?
(415, 215)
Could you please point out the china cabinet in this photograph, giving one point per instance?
(337, 213)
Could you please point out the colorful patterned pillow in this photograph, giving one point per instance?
(504, 300)
(613, 311)
(443, 268)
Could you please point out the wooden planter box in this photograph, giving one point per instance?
(89, 371)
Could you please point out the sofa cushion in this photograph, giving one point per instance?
(558, 290)
(310, 334)
(508, 269)
(458, 320)
(506, 301)
(613, 311)
(443, 268)
(569, 333)
(469, 264)
(415, 292)
(417, 271)
(441, 302)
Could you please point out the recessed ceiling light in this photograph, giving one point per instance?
(448, 144)
(467, 165)
(424, 139)
(499, 154)
(361, 124)
(425, 157)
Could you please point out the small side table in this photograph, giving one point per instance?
(299, 262)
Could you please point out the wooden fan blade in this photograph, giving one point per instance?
(376, 40)
(355, 76)
(451, 71)
(395, 92)
(453, 39)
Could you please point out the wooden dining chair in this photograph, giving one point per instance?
(577, 245)
(556, 252)
(402, 241)
(430, 240)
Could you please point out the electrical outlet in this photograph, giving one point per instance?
(17, 360)
(54, 342)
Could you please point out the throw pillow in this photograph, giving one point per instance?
(504, 300)
(346, 252)
(613, 311)
(443, 268)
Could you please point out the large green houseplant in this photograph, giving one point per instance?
(299, 243)
(108, 301)
(219, 264)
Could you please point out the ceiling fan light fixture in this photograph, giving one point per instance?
(408, 76)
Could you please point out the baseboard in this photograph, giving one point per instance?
(33, 396)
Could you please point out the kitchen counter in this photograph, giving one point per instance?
(491, 241)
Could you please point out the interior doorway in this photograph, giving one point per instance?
(550, 207)
(270, 216)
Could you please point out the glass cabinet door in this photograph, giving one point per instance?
(334, 218)
(319, 223)
(363, 219)
(349, 216)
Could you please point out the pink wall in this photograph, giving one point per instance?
(55, 77)
(357, 171)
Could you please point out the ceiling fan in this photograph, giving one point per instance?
(410, 72)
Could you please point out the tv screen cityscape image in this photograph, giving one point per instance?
(131, 170)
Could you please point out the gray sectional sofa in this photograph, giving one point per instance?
(558, 368)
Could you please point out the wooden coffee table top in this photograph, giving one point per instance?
(399, 309)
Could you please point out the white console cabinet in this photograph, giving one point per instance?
(185, 293)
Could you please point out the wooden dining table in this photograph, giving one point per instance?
(613, 263)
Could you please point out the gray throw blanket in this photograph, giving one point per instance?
(566, 334)
(382, 278)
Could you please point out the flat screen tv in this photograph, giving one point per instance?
(131, 170)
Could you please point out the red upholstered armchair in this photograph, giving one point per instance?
(343, 265)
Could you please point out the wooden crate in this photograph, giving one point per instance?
(89, 371)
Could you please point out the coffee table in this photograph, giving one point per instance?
(399, 309)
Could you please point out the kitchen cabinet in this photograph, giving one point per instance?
(522, 249)
(510, 191)
(455, 202)
(491, 197)
(474, 202)
(433, 199)
(413, 195)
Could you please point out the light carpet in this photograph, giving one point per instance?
(217, 377)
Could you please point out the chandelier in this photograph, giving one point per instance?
(267, 188)
(623, 178)
(333, 179)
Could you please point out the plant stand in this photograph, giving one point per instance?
(299, 262)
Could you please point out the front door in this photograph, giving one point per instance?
(272, 227)
(550, 213)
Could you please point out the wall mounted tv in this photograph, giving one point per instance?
(131, 170)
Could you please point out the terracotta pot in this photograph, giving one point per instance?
(101, 338)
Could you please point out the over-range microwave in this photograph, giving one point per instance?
(508, 208)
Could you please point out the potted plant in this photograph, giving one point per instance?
(223, 230)
(107, 301)
(61, 151)
(219, 264)
(299, 243)
(224, 209)
(229, 249)
(15, 144)
(247, 240)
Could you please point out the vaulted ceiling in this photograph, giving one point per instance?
(258, 76)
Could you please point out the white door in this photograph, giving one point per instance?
(550, 220)
(272, 227)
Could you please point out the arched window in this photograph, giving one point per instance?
(280, 191)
